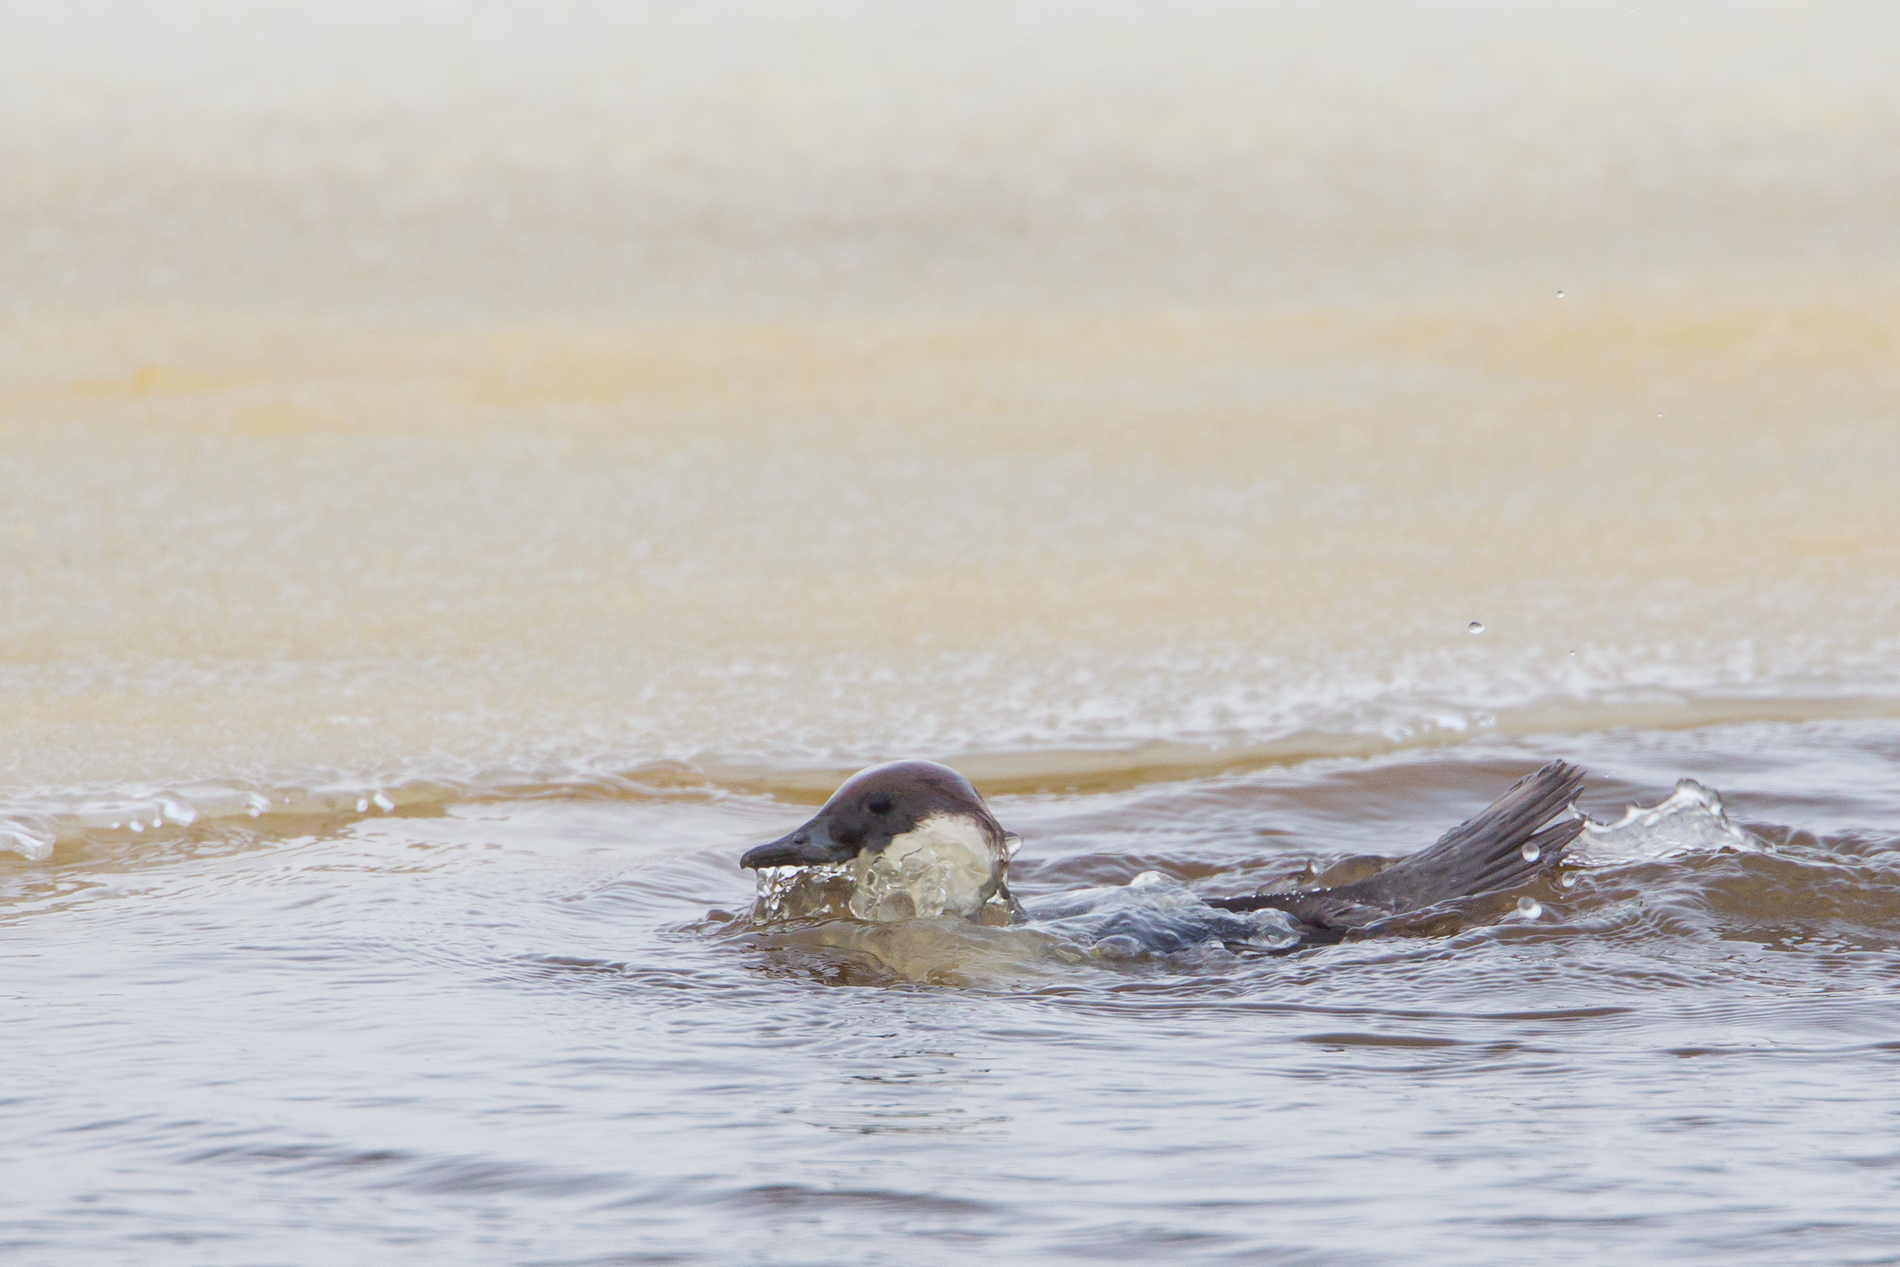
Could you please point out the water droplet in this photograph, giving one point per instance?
(1560, 294)
(1529, 907)
(1476, 627)
(136, 825)
(362, 804)
(1573, 653)
(1570, 880)
(382, 802)
(1531, 853)
(116, 826)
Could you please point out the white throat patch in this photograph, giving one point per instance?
(945, 865)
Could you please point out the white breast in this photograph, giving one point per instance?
(946, 865)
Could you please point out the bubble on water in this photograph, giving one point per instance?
(1476, 627)
(1531, 853)
(1529, 908)
(382, 802)
(1570, 880)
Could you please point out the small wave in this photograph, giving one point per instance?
(1691, 820)
(404, 1170)
(34, 831)
(789, 1196)
(33, 824)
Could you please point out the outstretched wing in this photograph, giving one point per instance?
(1502, 847)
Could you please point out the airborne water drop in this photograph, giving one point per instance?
(1531, 853)
(1529, 907)
(1476, 627)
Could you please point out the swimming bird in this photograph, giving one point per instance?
(918, 839)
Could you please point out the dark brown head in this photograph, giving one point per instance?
(873, 808)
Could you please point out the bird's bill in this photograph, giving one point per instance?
(809, 846)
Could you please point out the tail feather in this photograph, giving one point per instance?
(1520, 866)
(1502, 847)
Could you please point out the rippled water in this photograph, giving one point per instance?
(470, 470)
(506, 1031)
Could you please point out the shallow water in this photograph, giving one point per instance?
(469, 470)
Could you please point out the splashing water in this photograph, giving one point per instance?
(1156, 914)
(803, 893)
(1152, 915)
(942, 867)
(1691, 820)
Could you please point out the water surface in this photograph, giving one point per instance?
(471, 470)
(506, 1032)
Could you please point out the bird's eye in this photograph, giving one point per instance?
(879, 805)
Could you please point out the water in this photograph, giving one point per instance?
(470, 471)
(508, 1033)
